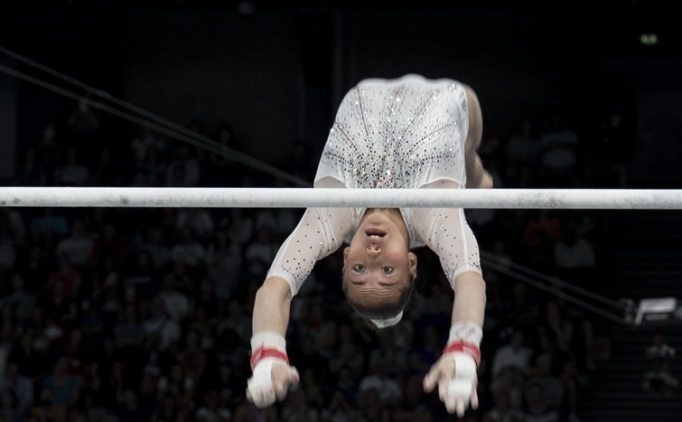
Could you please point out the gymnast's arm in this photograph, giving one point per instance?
(319, 233)
(272, 305)
(477, 176)
(447, 233)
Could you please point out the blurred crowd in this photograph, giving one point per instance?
(145, 314)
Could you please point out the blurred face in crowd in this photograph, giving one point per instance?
(378, 266)
(534, 396)
(517, 340)
(502, 400)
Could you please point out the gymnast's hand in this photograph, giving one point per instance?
(455, 376)
(270, 381)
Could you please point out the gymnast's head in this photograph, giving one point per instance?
(379, 270)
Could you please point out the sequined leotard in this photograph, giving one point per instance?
(390, 134)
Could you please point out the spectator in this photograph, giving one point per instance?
(296, 408)
(57, 307)
(503, 412)
(239, 227)
(346, 384)
(63, 388)
(109, 245)
(313, 391)
(207, 300)
(339, 410)
(159, 252)
(190, 251)
(48, 149)
(153, 170)
(513, 355)
(129, 410)
(20, 386)
(159, 327)
(129, 334)
(552, 387)
(395, 358)
(32, 172)
(184, 170)
(73, 173)
(83, 119)
(198, 220)
(427, 353)
(247, 412)
(9, 407)
(167, 410)
(67, 275)
(558, 148)
(537, 409)
(237, 321)
(8, 252)
(105, 173)
(574, 252)
(521, 154)
(414, 408)
(29, 362)
(21, 301)
(388, 389)
(211, 411)
(175, 303)
(371, 407)
(260, 253)
(192, 359)
(280, 222)
(179, 385)
(347, 353)
(77, 248)
(145, 142)
(547, 223)
(223, 260)
(142, 277)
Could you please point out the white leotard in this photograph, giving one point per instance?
(390, 134)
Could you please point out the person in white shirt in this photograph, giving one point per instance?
(388, 134)
(199, 220)
(77, 248)
(175, 303)
(160, 327)
(574, 251)
(514, 355)
(387, 387)
(190, 252)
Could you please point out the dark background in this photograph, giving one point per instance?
(277, 75)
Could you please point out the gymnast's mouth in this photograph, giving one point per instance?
(375, 234)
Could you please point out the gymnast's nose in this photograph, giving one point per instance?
(373, 250)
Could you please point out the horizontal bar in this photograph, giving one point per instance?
(340, 198)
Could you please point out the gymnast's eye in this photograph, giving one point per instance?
(387, 270)
(358, 268)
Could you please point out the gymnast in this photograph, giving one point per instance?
(388, 134)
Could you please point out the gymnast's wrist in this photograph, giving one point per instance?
(268, 345)
(465, 338)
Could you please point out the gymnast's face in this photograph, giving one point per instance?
(378, 262)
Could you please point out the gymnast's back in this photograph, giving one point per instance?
(405, 133)
(399, 133)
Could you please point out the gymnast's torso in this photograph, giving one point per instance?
(390, 134)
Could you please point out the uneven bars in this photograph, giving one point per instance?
(340, 198)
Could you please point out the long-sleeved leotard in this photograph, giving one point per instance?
(397, 134)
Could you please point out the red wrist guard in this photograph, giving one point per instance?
(461, 346)
(267, 352)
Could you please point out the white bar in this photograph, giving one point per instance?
(340, 198)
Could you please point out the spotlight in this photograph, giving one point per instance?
(648, 39)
